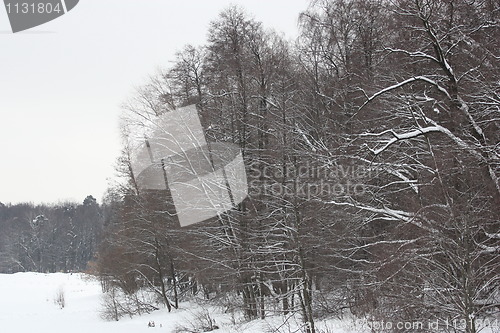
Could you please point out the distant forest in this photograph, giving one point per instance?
(49, 238)
(373, 159)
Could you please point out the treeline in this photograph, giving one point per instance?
(373, 162)
(49, 238)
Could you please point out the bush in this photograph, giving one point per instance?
(117, 304)
(202, 322)
(60, 298)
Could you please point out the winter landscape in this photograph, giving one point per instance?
(36, 302)
(57, 303)
(345, 179)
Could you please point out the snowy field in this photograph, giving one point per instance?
(28, 304)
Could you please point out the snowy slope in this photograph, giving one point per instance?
(27, 304)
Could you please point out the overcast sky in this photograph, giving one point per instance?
(62, 83)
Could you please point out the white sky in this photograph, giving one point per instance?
(62, 83)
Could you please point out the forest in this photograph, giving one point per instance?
(371, 146)
(52, 238)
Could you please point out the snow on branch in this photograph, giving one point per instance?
(398, 137)
(384, 242)
(417, 54)
(471, 149)
(387, 214)
(489, 249)
(403, 83)
(308, 142)
(495, 236)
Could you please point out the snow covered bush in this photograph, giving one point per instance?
(60, 298)
(117, 303)
(202, 321)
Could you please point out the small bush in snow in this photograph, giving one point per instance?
(202, 322)
(117, 303)
(60, 298)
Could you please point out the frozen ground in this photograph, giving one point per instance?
(28, 305)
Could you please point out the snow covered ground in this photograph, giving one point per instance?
(28, 304)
